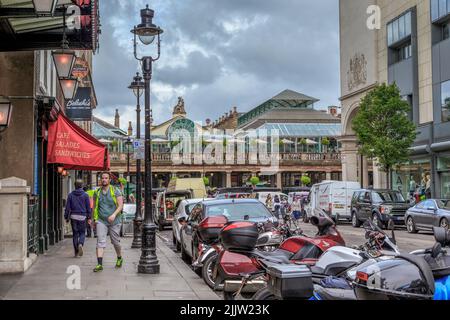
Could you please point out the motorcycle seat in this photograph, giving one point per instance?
(423, 266)
(277, 256)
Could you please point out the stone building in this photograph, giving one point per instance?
(411, 48)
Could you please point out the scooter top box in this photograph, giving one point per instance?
(239, 236)
(290, 281)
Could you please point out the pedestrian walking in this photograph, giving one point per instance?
(91, 203)
(78, 210)
(108, 218)
(297, 208)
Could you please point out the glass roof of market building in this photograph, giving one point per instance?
(303, 130)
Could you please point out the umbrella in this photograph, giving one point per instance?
(310, 142)
(104, 141)
(286, 141)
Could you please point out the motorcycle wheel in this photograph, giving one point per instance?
(207, 271)
(305, 218)
(264, 295)
(229, 296)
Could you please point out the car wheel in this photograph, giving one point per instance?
(355, 221)
(410, 225)
(444, 224)
(208, 271)
(376, 220)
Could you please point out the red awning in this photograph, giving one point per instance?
(74, 148)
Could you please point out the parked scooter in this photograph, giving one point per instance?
(240, 259)
(331, 270)
(423, 274)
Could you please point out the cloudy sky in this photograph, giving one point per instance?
(217, 54)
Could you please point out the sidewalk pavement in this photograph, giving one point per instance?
(47, 279)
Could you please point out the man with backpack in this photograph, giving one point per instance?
(108, 208)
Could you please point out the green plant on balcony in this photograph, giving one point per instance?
(173, 144)
(254, 181)
(206, 181)
(306, 181)
(326, 142)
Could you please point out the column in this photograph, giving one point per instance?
(328, 176)
(365, 173)
(228, 184)
(379, 177)
(279, 181)
(349, 159)
(14, 226)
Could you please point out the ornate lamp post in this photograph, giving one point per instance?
(147, 31)
(128, 144)
(138, 89)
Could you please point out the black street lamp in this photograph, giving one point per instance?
(138, 89)
(5, 113)
(128, 144)
(147, 31)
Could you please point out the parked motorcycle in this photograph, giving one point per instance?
(269, 239)
(240, 261)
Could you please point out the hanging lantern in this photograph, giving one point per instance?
(64, 62)
(69, 87)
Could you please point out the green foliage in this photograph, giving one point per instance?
(326, 141)
(114, 143)
(206, 181)
(383, 127)
(306, 181)
(254, 181)
(173, 144)
(303, 142)
(123, 181)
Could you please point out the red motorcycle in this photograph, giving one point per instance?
(239, 259)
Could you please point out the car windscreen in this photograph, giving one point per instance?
(239, 211)
(393, 197)
(444, 204)
(188, 208)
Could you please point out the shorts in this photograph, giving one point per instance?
(102, 232)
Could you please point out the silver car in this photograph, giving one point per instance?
(183, 210)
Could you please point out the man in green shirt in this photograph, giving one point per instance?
(108, 208)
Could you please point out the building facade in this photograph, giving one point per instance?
(411, 47)
(307, 144)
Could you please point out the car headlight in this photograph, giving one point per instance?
(385, 210)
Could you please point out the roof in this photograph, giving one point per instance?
(285, 115)
(102, 129)
(304, 130)
(286, 99)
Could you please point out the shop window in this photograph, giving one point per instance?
(446, 31)
(443, 164)
(445, 185)
(445, 101)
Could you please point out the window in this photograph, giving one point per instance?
(404, 52)
(399, 29)
(429, 205)
(439, 9)
(445, 101)
(239, 211)
(446, 31)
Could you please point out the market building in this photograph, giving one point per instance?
(411, 48)
(308, 144)
(33, 186)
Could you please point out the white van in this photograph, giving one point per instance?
(334, 197)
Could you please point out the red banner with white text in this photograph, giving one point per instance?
(75, 149)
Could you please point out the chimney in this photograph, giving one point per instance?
(130, 129)
(117, 119)
(234, 109)
(208, 122)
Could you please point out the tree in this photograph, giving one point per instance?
(383, 127)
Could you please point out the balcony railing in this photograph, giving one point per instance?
(283, 158)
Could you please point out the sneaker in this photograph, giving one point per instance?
(119, 263)
(80, 250)
(98, 268)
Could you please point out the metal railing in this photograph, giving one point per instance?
(33, 224)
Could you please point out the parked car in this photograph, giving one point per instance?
(381, 206)
(334, 197)
(128, 215)
(233, 196)
(262, 196)
(183, 210)
(428, 214)
(166, 205)
(208, 218)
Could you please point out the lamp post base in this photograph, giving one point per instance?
(137, 234)
(148, 263)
